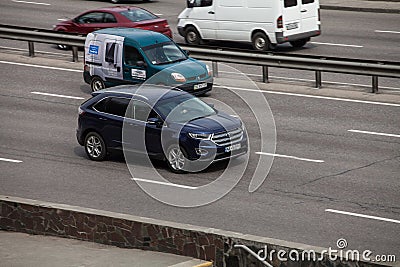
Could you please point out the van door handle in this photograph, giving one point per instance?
(211, 12)
(304, 10)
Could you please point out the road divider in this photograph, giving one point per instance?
(57, 95)
(11, 160)
(362, 215)
(222, 248)
(289, 157)
(374, 133)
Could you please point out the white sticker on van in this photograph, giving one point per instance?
(139, 74)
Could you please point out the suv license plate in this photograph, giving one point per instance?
(232, 147)
(200, 86)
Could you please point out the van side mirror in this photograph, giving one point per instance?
(190, 3)
(141, 63)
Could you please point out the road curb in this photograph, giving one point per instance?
(221, 247)
(361, 9)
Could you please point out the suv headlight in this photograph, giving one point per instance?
(200, 136)
(178, 77)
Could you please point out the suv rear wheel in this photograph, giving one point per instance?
(95, 147)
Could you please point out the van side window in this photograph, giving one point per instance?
(289, 3)
(131, 55)
(110, 50)
(117, 106)
(200, 3)
(307, 1)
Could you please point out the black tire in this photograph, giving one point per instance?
(97, 84)
(299, 43)
(176, 159)
(261, 42)
(95, 147)
(192, 36)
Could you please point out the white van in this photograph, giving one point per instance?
(264, 23)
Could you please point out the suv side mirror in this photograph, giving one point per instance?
(155, 121)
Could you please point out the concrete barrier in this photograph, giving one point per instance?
(122, 230)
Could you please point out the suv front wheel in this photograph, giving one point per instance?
(176, 159)
(95, 147)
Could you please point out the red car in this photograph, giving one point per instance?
(118, 16)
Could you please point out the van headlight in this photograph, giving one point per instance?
(209, 71)
(200, 136)
(178, 77)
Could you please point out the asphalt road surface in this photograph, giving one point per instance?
(320, 166)
(344, 34)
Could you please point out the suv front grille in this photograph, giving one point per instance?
(228, 138)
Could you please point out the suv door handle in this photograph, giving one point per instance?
(102, 119)
(211, 12)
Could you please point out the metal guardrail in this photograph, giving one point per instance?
(318, 64)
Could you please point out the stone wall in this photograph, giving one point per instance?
(36, 217)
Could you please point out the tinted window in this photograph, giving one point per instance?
(110, 51)
(109, 18)
(117, 106)
(132, 55)
(307, 1)
(289, 3)
(138, 15)
(101, 105)
(93, 17)
(199, 3)
(141, 110)
(164, 53)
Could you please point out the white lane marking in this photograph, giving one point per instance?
(158, 14)
(312, 96)
(363, 215)
(11, 160)
(345, 45)
(62, 19)
(38, 66)
(386, 31)
(33, 3)
(56, 95)
(289, 157)
(374, 133)
(163, 183)
(308, 80)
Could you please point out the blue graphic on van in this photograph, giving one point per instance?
(94, 49)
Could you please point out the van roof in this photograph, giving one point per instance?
(142, 37)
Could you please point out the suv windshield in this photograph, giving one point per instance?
(164, 53)
(183, 109)
(136, 15)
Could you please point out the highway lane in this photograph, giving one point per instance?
(359, 172)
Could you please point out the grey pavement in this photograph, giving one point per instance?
(20, 249)
(392, 6)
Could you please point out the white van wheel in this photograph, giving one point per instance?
(192, 36)
(97, 84)
(261, 42)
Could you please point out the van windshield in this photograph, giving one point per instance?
(164, 53)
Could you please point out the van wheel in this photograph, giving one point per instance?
(176, 159)
(299, 43)
(97, 84)
(95, 147)
(192, 36)
(261, 42)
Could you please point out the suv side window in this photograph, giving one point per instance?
(141, 111)
(117, 106)
(290, 3)
(101, 105)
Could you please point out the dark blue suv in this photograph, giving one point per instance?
(165, 123)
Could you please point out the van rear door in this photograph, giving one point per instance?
(300, 16)
(112, 64)
(309, 15)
